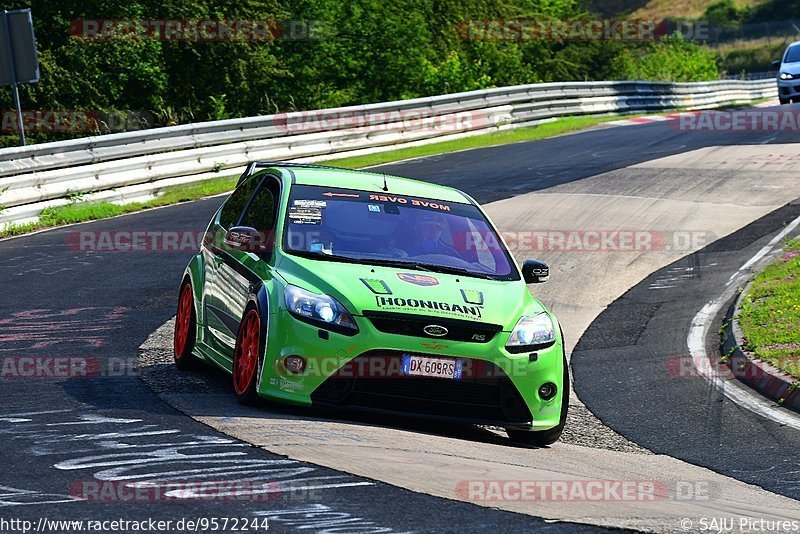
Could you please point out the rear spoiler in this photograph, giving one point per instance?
(254, 166)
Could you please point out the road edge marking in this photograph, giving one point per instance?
(696, 340)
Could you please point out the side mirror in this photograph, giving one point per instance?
(248, 239)
(776, 64)
(535, 272)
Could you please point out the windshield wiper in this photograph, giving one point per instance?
(451, 270)
(391, 263)
(320, 256)
(350, 259)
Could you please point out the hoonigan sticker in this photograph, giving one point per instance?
(447, 308)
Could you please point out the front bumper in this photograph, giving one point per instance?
(501, 389)
(373, 382)
(789, 88)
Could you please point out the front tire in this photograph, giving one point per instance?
(784, 101)
(247, 358)
(185, 333)
(542, 438)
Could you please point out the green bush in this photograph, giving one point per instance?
(671, 59)
(725, 15)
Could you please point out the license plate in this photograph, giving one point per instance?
(433, 367)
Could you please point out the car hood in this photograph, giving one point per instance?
(791, 68)
(364, 288)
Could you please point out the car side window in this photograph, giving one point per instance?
(236, 203)
(262, 212)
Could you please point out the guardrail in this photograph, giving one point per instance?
(133, 165)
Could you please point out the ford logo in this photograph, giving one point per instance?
(435, 330)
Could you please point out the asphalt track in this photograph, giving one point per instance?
(57, 301)
(642, 336)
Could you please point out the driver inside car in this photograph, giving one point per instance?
(427, 237)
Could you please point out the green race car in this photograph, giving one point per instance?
(323, 286)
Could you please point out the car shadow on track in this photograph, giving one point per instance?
(207, 393)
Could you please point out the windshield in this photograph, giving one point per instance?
(792, 55)
(381, 228)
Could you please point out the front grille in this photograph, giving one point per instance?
(374, 382)
(414, 325)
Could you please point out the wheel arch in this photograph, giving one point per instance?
(258, 299)
(194, 274)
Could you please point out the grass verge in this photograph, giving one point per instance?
(527, 133)
(770, 315)
(89, 211)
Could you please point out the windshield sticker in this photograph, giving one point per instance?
(418, 279)
(346, 195)
(378, 287)
(412, 202)
(374, 207)
(302, 203)
(303, 215)
(444, 308)
(320, 248)
(472, 296)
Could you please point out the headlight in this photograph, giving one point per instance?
(320, 310)
(785, 76)
(531, 333)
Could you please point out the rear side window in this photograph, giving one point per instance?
(235, 204)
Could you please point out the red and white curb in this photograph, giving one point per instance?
(648, 119)
(760, 375)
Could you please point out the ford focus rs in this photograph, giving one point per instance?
(339, 288)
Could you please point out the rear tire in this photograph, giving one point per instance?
(247, 358)
(784, 102)
(185, 333)
(542, 438)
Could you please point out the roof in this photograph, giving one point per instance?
(373, 182)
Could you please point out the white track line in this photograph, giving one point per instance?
(696, 340)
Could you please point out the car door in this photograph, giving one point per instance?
(214, 255)
(240, 272)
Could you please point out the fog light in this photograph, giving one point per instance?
(295, 364)
(547, 391)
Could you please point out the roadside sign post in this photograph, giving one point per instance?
(18, 59)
